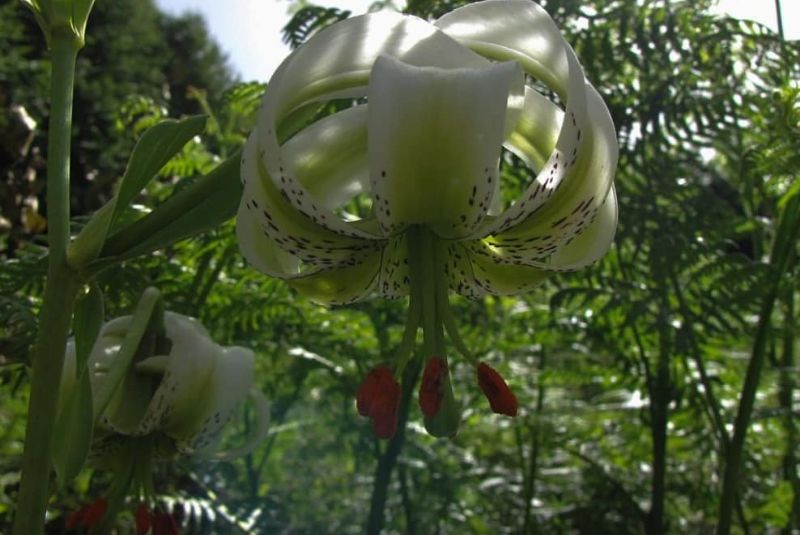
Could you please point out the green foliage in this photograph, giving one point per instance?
(309, 20)
(628, 374)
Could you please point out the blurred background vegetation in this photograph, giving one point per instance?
(630, 373)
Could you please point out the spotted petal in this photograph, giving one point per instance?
(188, 374)
(434, 143)
(231, 378)
(521, 30)
(337, 63)
(573, 208)
(267, 219)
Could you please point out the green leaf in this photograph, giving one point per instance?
(152, 152)
(142, 319)
(73, 431)
(88, 319)
(204, 205)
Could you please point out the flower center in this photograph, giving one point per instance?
(429, 308)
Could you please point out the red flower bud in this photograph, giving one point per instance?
(431, 388)
(494, 387)
(142, 517)
(379, 398)
(95, 512)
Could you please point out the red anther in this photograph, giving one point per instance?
(165, 524)
(501, 398)
(379, 398)
(431, 389)
(94, 512)
(142, 518)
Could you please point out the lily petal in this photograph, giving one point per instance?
(180, 395)
(231, 379)
(340, 286)
(299, 234)
(591, 244)
(434, 143)
(350, 280)
(330, 157)
(535, 239)
(394, 276)
(474, 272)
(523, 31)
(335, 63)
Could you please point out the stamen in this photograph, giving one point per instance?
(431, 388)
(142, 518)
(494, 387)
(378, 398)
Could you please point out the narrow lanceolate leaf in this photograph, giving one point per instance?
(73, 430)
(153, 150)
(204, 205)
(434, 143)
(87, 321)
(119, 365)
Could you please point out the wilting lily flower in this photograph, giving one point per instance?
(400, 194)
(186, 389)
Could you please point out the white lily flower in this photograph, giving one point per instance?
(187, 390)
(436, 104)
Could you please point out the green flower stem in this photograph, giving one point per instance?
(422, 262)
(59, 296)
(406, 348)
(123, 479)
(446, 314)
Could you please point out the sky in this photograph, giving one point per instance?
(249, 31)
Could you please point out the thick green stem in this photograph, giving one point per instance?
(59, 296)
(659, 415)
(782, 252)
(529, 522)
(785, 398)
(388, 460)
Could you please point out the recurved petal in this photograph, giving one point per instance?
(573, 208)
(267, 219)
(521, 30)
(180, 396)
(394, 276)
(591, 244)
(230, 382)
(434, 143)
(335, 63)
(330, 157)
(341, 285)
(474, 271)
